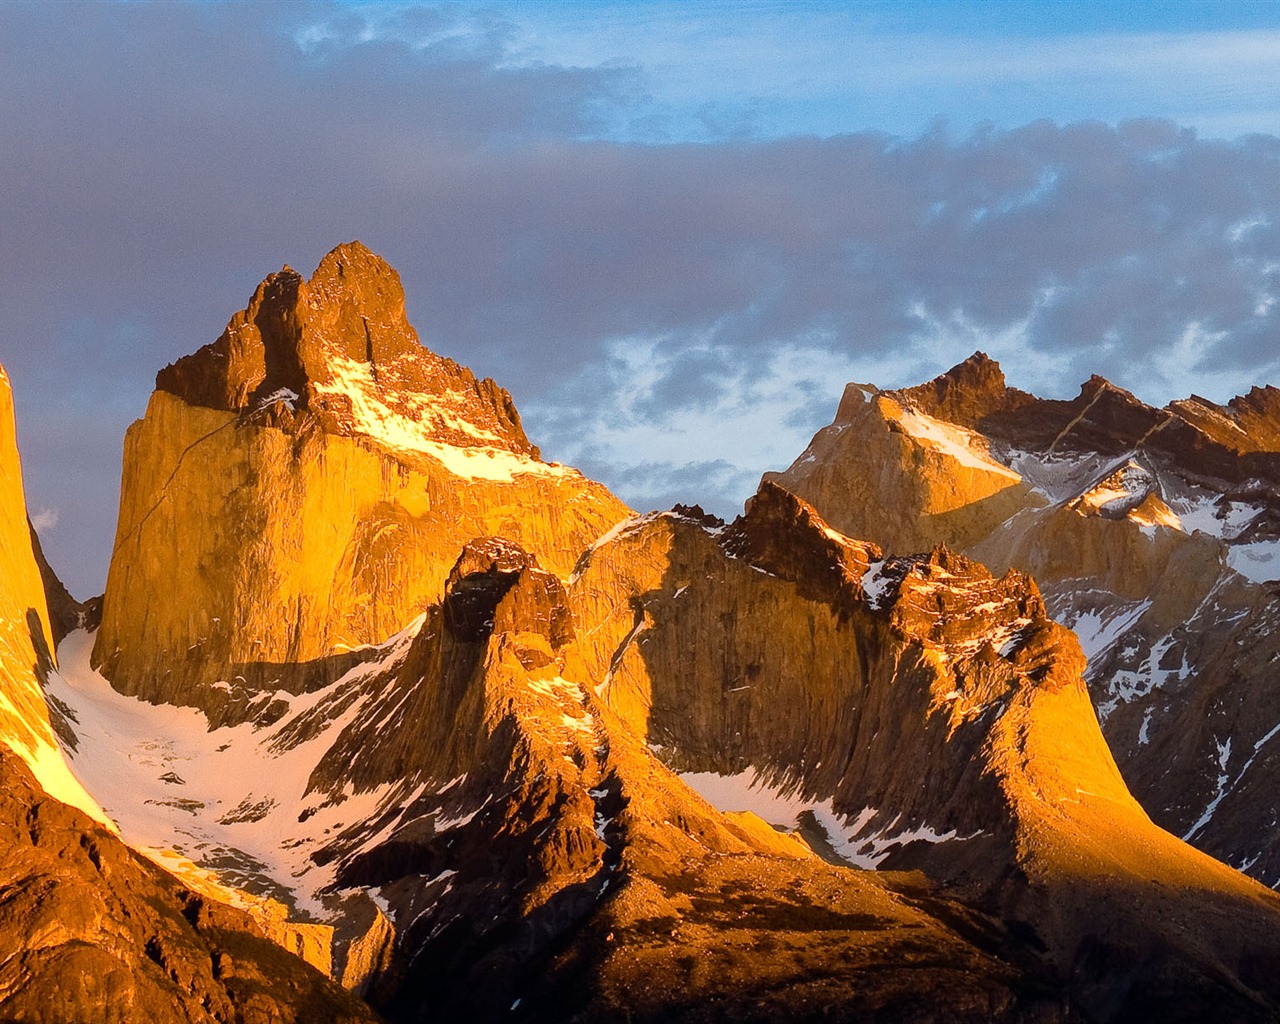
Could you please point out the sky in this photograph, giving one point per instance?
(673, 231)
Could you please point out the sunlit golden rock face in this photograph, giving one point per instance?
(26, 639)
(883, 453)
(492, 696)
(551, 859)
(302, 486)
(1152, 533)
(26, 633)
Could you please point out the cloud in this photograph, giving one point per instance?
(631, 421)
(45, 520)
(675, 316)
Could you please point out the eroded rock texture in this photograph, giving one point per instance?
(521, 756)
(89, 931)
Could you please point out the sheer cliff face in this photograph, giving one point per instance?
(519, 755)
(524, 845)
(88, 929)
(301, 487)
(1153, 533)
(928, 714)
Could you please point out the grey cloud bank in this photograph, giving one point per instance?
(675, 317)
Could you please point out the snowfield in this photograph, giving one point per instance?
(228, 800)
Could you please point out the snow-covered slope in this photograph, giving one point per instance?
(234, 800)
(538, 775)
(516, 754)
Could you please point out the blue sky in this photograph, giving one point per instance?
(709, 70)
(673, 231)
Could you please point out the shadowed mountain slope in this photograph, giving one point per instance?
(515, 754)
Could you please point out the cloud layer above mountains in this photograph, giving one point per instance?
(674, 294)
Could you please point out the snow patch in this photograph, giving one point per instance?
(1259, 561)
(1099, 628)
(242, 786)
(965, 446)
(851, 841)
(784, 809)
(286, 395)
(417, 426)
(876, 583)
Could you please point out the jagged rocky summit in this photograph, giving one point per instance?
(300, 487)
(1154, 534)
(500, 749)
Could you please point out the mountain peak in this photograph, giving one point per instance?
(339, 346)
(292, 331)
(967, 393)
(359, 302)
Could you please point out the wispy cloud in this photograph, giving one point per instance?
(45, 520)
(707, 71)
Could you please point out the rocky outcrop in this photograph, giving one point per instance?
(1152, 533)
(554, 868)
(300, 488)
(319, 344)
(523, 847)
(930, 716)
(524, 758)
(940, 480)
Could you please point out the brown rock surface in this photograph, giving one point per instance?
(555, 869)
(496, 808)
(301, 487)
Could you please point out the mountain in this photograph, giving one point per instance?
(1154, 534)
(501, 807)
(915, 713)
(301, 486)
(454, 725)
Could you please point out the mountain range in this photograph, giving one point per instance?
(383, 717)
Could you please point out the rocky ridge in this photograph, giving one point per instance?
(89, 930)
(28, 632)
(1152, 533)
